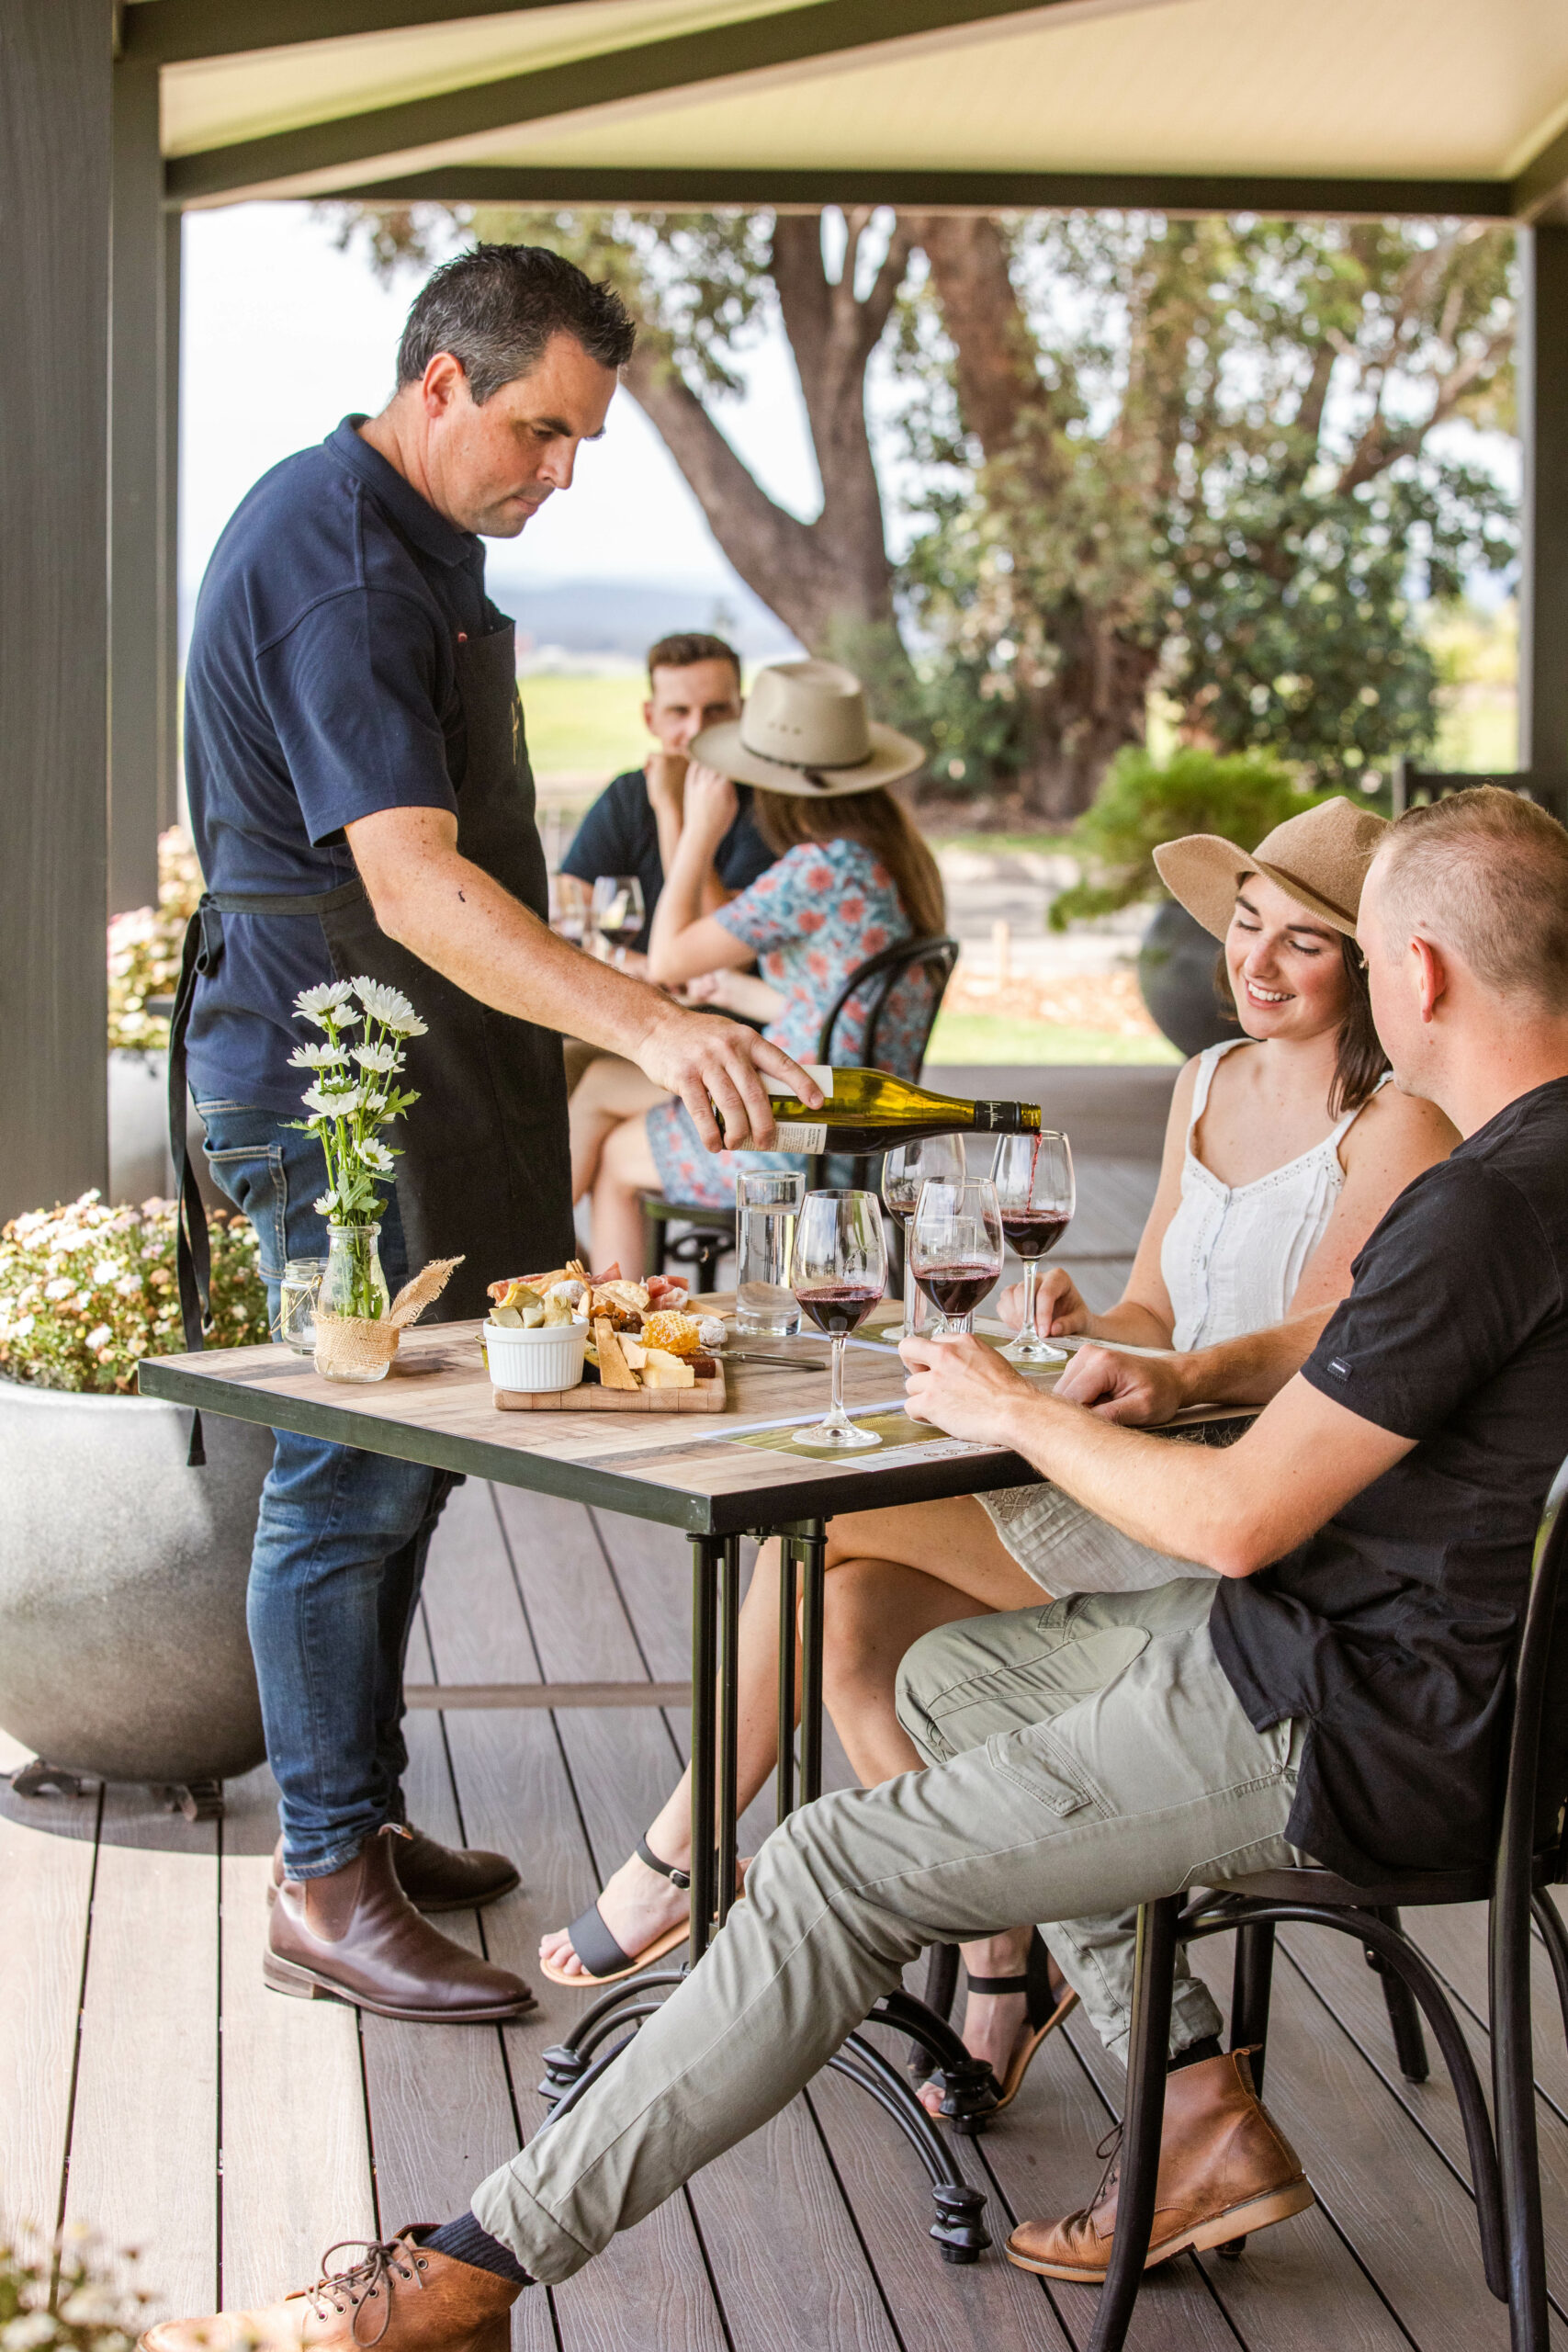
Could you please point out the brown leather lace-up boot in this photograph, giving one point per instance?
(1225, 2169)
(437, 1877)
(354, 1935)
(400, 2298)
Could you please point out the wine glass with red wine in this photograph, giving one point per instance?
(956, 1248)
(903, 1170)
(838, 1272)
(1033, 1177)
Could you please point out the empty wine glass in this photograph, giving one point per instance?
(904, 1170)
(838, 1272)
(1033, 1177)
(955, 1247)
(616, 914)
(569, 906)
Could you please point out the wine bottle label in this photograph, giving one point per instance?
(817, 1071)
(796, 1136)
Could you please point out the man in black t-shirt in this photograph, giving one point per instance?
(1336, 1694)
(693, 681)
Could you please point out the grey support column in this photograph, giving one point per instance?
(54, 203)
(140, 592)
(1542, 365)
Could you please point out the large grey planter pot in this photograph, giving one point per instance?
(1176, 974)
(123, 1650)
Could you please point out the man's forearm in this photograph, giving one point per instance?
(1174, 1497)
(455, 917)
(1252, 1369)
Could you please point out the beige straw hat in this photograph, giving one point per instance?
(804, 730)
(1319, 858)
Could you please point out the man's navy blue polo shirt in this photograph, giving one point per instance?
(321, 687)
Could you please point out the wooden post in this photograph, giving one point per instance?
(54, 201)
(140, 751)
(1542, 365)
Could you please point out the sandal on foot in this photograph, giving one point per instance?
(604, 1960)
(1045, 2009)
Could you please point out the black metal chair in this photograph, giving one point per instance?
(1413, 785)
(1530, 1858)
(712, 1231)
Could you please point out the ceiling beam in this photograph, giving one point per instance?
(178, 32)
(1540, 192)
(690, 61)
(937, 190)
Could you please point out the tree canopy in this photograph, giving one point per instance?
(1224, 457)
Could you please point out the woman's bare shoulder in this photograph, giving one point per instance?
(1404, 1127)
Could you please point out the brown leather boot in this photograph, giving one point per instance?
(1225, 2170)
(400, 2298)
(437, 1877)
(356, 1935)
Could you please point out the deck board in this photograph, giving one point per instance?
(47, 1884)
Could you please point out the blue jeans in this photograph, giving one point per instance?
(339, 1546)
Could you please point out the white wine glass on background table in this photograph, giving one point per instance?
(956, 1248)
(617, 914)
(839, 1271)
(1033, 1177)
(903, 1170)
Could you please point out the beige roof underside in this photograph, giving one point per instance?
(1423, 88)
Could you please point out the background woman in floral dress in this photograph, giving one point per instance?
(852, 876)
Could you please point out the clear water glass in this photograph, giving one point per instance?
(766, 1207)
(297, 1306)
(903, 1170)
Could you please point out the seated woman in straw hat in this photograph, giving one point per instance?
(1283, 1150)
(853, 876)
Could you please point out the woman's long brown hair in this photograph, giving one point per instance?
(1360, 1060)
(875, 819)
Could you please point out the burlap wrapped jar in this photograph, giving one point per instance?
(362, 1347)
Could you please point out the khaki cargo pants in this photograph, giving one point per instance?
(1086, 1757)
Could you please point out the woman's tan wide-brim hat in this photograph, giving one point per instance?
(1319, 858)
(804, 730)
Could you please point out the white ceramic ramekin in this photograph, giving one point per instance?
(535, 1363)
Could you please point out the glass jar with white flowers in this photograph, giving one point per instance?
(353, 1094)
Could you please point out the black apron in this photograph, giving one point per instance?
(485, 1172)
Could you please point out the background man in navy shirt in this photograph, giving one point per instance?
(693, 681)
(360, 792)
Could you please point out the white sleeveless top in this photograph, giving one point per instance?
(1232, 1256)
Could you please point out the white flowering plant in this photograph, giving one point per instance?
(64, 2297)
(145, 946)
(353, 1095)
(87, 1291)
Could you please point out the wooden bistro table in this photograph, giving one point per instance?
(719, 1477)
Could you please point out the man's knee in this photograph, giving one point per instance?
(927, 1668)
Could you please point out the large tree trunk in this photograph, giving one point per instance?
(1093, 704)
(828, 580)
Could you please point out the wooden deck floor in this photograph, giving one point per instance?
(150, 2089)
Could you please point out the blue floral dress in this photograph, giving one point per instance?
(816, 916)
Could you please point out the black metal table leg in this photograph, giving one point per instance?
(789, 1585)
(729, 1696)
(813, 1546)
(706, 1552)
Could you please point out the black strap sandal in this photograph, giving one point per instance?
(603, 1961)
(1045, 2008)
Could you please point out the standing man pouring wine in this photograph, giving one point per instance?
(363, 805)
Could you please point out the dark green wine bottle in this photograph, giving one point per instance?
(871, 1111)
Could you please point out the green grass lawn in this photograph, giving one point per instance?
(585, 723)
(964, 1037)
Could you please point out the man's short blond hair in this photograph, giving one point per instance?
(1483, 873)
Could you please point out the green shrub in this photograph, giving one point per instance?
(87, 1292)
(1242, 796)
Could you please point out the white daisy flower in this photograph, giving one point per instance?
(99, 1336)
(335, 1103)
(330, 996)
(106, 1269)
(61, 1287)
(381, 1058)
(376, 1155)
(316, 1057)
(385, 1005)
(326, 1206)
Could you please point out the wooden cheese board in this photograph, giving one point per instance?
(706, 1397)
